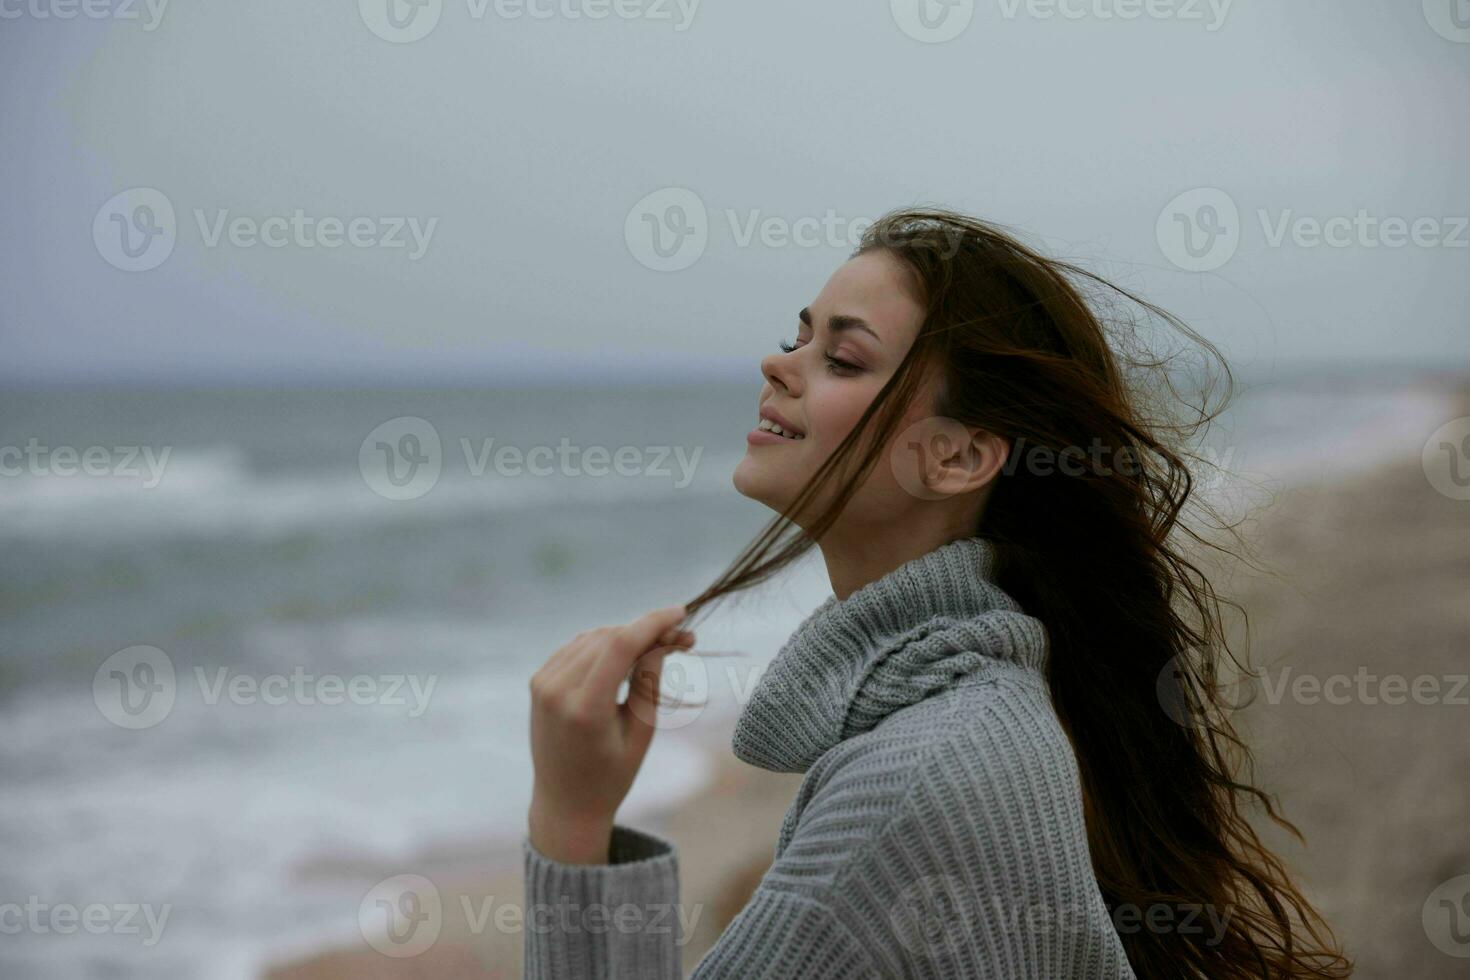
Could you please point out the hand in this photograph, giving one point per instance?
(586, 747)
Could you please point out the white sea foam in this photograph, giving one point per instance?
(215, 490)
(215, 809)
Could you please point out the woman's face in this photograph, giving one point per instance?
(848, 343)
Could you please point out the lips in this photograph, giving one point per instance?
(770, 429)
(787, 426)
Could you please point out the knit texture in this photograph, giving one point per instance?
(938, 831)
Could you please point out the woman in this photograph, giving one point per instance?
(1016, 762)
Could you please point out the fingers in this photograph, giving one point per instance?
(569, 664)
(641, 708)
(629, 643)
(594, 663)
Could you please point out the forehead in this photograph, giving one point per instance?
(876, 287)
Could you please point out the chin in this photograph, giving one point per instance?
(742, 479)
(749, 482)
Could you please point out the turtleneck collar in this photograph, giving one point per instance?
(916, 631)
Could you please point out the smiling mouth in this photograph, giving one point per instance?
(766, 425)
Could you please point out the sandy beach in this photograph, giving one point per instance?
(725, 838)
(1369, 577)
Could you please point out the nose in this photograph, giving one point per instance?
(782, 372)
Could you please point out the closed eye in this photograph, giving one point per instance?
(835, 365)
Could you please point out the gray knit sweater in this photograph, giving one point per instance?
(938, 831)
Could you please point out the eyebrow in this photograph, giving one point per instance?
(839, 322)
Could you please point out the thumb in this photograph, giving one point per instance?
(643, 696)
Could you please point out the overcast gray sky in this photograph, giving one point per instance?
(1185, 148)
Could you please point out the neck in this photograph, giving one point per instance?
(855, 557)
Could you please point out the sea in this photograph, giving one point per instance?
(253, 631)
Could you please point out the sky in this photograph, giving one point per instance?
(480, 191)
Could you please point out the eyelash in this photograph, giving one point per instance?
(834, 364)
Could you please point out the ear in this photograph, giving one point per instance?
(938, 457)
(973, 463)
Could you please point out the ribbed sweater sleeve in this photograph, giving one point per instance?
(923, 849)
(777, 934)
(603, 921)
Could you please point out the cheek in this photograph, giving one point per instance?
(888, 482)
(832, 416)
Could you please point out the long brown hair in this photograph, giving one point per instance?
(1104, 555)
